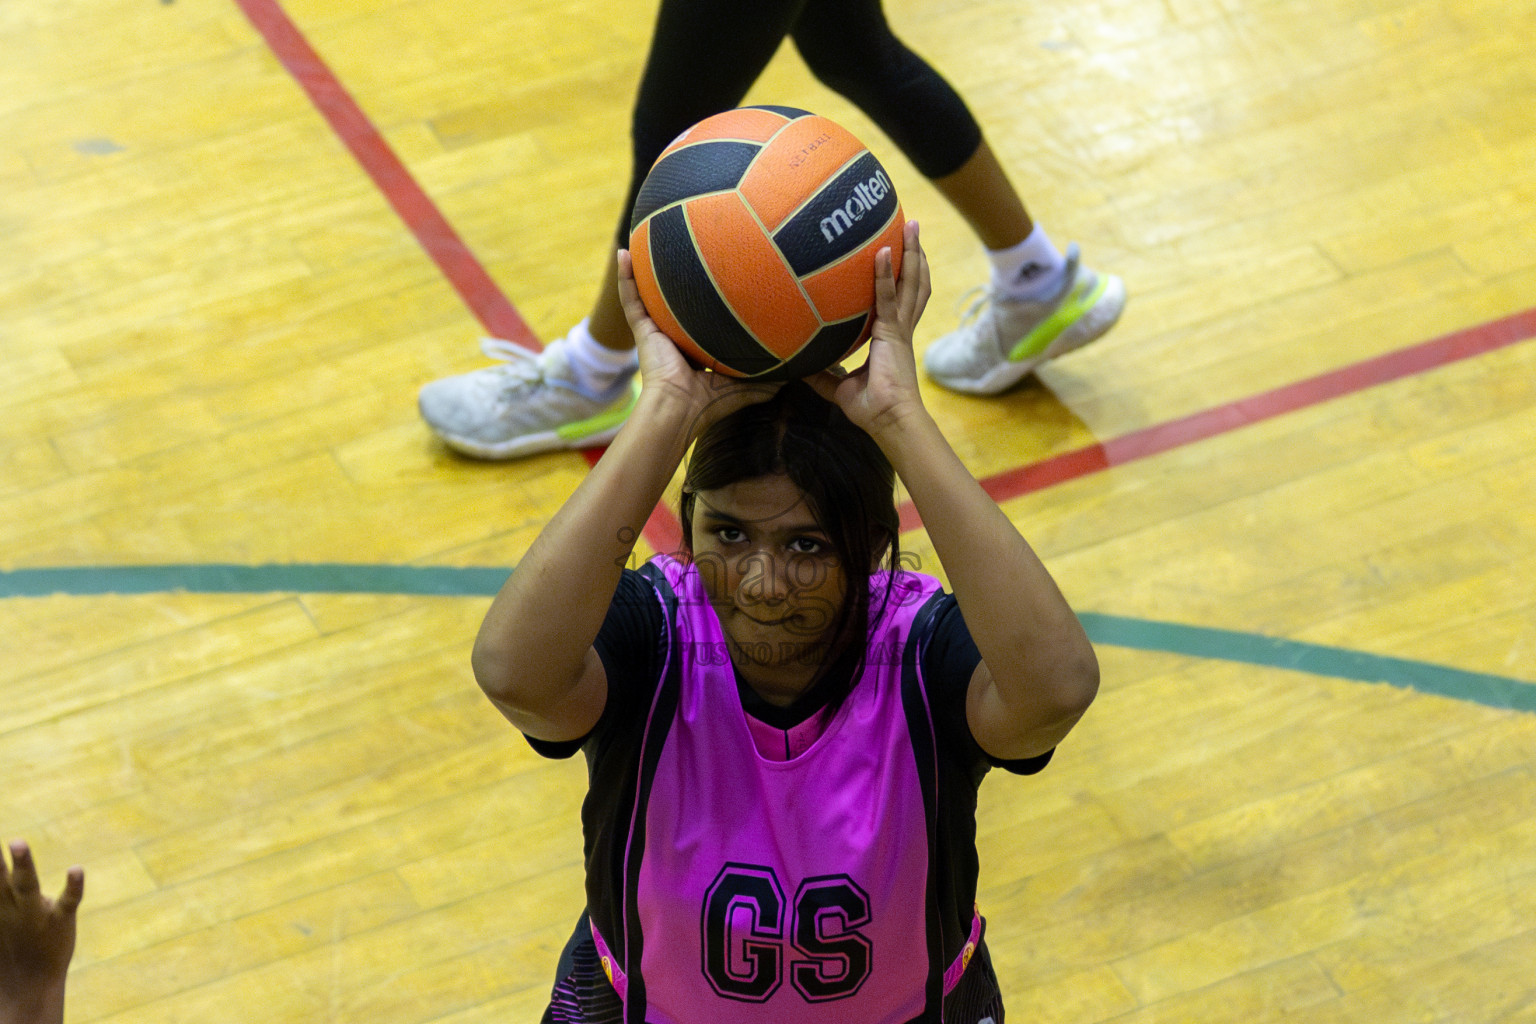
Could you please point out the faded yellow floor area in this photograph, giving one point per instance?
(295, 806)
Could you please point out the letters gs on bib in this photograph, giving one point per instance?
(750, 932)
(754, 239)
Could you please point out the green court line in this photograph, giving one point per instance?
(1315, 659)
(1492, 691)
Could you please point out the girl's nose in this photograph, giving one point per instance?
(763, 580)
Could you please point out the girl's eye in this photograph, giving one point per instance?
(729, 535)
(806, 546)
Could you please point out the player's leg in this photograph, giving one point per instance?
(1040, 302)
(704, 57)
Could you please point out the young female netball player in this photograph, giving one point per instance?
(785, 729)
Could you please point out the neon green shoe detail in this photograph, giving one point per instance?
(531, 402)
(609, 419)
(1000, 342)
(1062, 317)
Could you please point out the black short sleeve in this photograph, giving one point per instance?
(949, 661)
(629, 645)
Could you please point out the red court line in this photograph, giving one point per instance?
(432, 230)
(662, 531)
(1162, 437)
(420, 214)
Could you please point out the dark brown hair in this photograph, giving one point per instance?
(848, 483)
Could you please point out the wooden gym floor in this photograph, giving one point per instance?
(1291, 494)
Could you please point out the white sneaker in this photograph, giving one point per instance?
(1000, 342)
(531, 403)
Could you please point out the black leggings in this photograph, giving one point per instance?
(705, 55)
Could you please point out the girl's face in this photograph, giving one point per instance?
(773, 578)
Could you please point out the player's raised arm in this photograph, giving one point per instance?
(1038, 672)
(533, 656)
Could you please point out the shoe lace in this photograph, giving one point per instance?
(522, 364)
(977, 322)
(973, 303)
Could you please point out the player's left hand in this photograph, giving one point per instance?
(663, 369)
(884, 391)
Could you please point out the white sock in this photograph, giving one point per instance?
(1030, 270)
(597, 367)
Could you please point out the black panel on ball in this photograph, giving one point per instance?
(829, 345)
(793, 113)
(845, 213)
(695, 170)
(692, 298)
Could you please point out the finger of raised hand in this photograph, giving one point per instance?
(629, 295)
(23, 871)
(890, 323)
(916, 283)
(657, 354)
(887, 294)
(74, 891)
(644, 329)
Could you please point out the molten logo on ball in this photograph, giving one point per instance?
(754, 239)
(865, 198)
